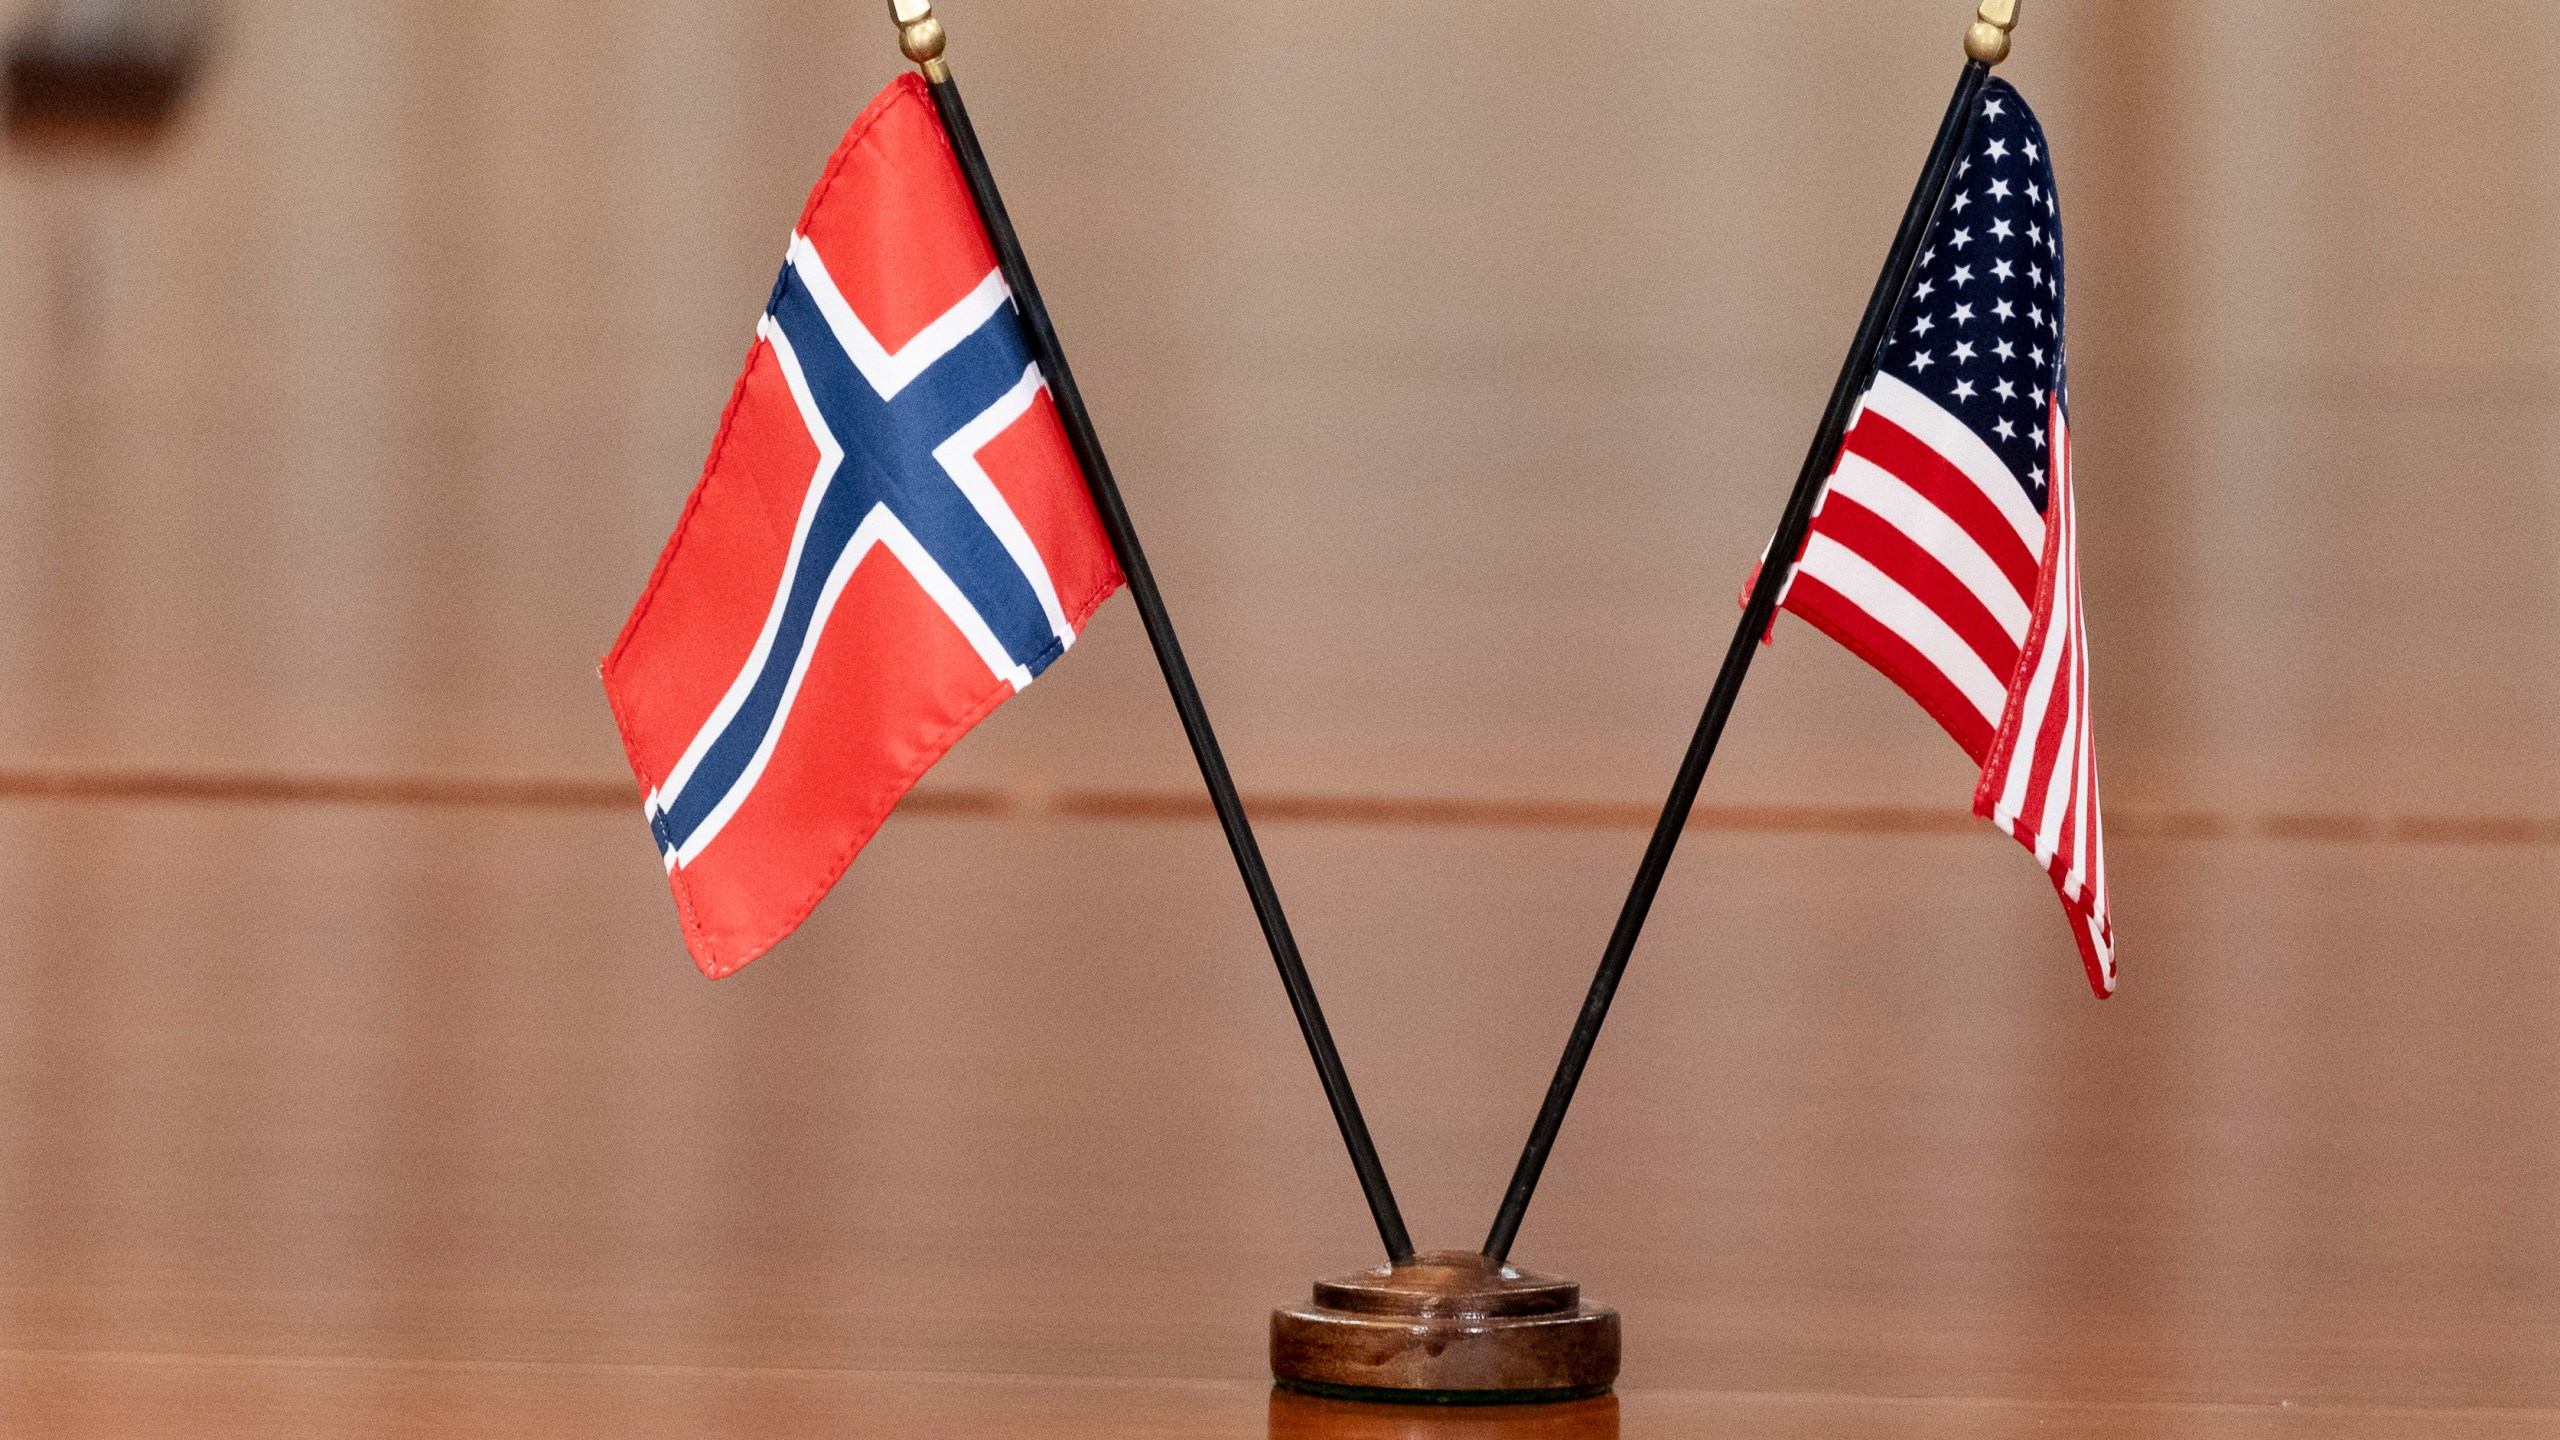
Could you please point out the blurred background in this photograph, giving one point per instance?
(1455, 356)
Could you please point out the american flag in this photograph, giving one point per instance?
(1946, 549)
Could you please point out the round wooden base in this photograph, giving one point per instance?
(1451, 1328)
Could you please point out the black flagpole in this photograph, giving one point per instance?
(920, 36)
(1757, 616)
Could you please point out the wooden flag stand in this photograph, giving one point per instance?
(1452, 1327)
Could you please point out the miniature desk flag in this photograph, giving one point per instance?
(891, 537)
(1945, 551)
(1930, 530)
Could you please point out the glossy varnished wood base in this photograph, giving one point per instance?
(1450, 1327)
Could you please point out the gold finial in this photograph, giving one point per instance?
(920, 35)
(1988, 40)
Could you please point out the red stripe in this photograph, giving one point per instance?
(1868, 638)
(1902, 559)
(2059, 867)
(2048, 743)
(2083, 932)
(1936, 478)
(2066, 760)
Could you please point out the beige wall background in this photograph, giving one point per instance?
(1456, 357)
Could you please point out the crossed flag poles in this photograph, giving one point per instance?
(907, 518)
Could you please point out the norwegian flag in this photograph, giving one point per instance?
(1946, 549)
(890, 539)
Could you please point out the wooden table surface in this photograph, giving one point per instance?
(344, 1119)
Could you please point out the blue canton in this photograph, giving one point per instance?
(1980, 330)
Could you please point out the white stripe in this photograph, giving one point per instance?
(651, 808)
(865, 535)
(2084, 761)
(2077, 880)
(830, 458)
(959, 457)
(929, 574)
(2057, 792)
(2071, 776)
(890, 373)
(2078, 840)
(1899, 611)
(1934, 426)
(2013, 794)
(1930, 528)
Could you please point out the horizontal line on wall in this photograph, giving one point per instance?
(1445, 812)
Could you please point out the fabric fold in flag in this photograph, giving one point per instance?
(891, 537)
(1945, 551)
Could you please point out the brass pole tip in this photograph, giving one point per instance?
(920, 36)
(1988, 38)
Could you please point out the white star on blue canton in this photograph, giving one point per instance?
(1995, 332)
